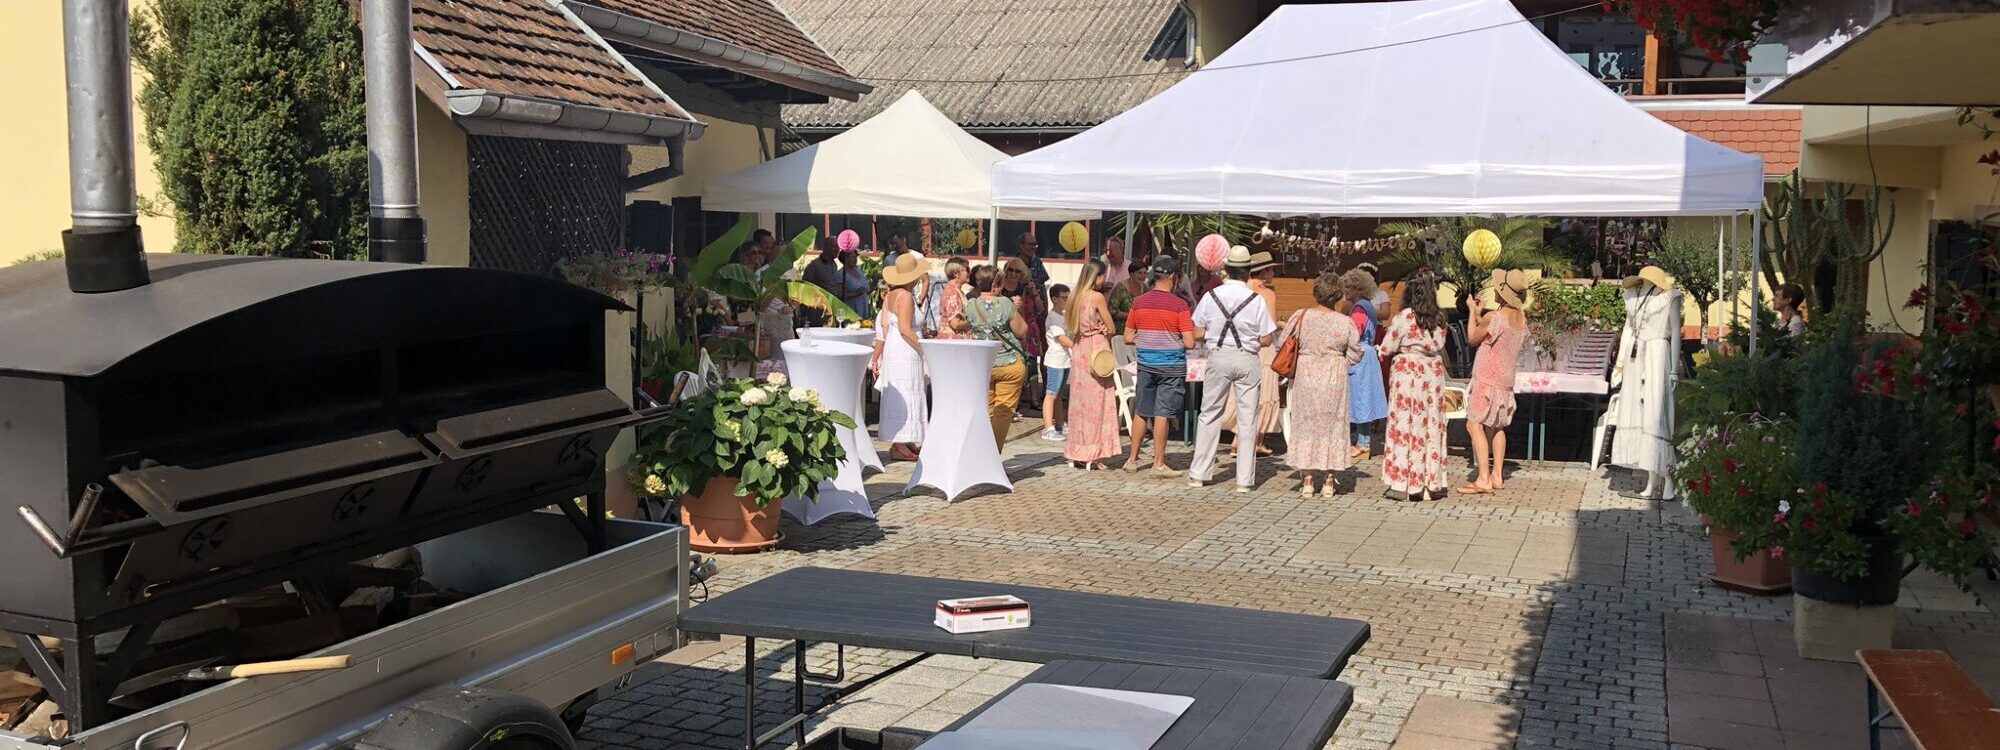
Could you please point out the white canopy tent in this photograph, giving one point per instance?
(910, 160)
(1388, 109)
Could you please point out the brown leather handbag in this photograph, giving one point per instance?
(1287, 360)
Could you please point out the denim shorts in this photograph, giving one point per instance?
(1161, 395)
(1055, 377)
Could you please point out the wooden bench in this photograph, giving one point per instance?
(1940, 707)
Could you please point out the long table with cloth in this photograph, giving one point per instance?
(880, 610)
(1579, 374)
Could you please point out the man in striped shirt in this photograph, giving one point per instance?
(1160, 329)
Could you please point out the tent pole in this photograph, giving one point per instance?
(993, 238)
(1129, 219)
(1756, 266)
(1720, 254)
(1735, 294)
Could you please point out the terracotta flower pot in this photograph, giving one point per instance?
(1758, 573)
(720, 522)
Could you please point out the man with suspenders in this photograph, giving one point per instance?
(1235, 323)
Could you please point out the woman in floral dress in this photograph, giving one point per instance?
(1093, 401)
(1413, 456)
(1328, 345)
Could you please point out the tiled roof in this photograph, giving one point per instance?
(981, 45)
(529, 48)
(1770, 133)
(758, 25)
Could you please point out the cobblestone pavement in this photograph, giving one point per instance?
(1535, 618)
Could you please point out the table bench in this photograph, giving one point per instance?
(1940, 706)
(1231, 711)
(880, 610)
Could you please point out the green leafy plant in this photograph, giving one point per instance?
(1438, 244)
(778, 441)
(716, 270)
(38, 255)
(254, 115)
(1691, 259)
(1737, 385)
(617, 271)
(1564, 310)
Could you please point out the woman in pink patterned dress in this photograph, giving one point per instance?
(1093, 401)
(1328, 345)
(1489, 408)
(1413, 458)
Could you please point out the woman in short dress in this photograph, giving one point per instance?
(1367, 395)
(1413, 453)
(899, 359)
(1490, 405)
(1093, 401)
(1328, 345)
(951, 301)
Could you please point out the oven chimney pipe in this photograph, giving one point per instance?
(395, 228)
(101, 249)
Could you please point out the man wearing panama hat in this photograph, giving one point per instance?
(1235, 323)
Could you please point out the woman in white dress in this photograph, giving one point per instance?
(898, 363)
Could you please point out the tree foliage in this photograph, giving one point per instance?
(1437, 243)
(254, 113)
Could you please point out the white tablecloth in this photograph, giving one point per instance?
(834, 369)
(959, 450)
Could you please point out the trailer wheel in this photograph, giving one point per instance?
(470, 719)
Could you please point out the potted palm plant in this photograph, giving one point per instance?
(735, 453)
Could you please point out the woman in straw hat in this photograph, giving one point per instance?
(1093, 399)
(1490, 406)
(899, 359)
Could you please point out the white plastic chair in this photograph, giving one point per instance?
(1127, 390)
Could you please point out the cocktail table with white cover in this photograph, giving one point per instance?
(859, 441)
(959, 450)
(834, 369)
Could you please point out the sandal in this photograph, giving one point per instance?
(1306, 491)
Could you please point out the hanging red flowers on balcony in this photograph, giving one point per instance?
(1721, 28)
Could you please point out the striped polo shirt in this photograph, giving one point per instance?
(1158, 319)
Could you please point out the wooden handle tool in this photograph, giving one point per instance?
(259, 669)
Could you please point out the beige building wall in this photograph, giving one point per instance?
(1967, 190)
(1219, 24)
(34, 199)
(1903, 150)
(724, 147)
(443, 172)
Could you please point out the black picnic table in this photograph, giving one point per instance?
(880, 610)
(1231, 711)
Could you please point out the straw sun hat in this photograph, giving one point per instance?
(1650, 275)
(909, 267)
(1515, 289)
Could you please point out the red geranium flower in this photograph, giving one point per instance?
(1806, 523)
(1742, 490)
(1777, 552)
(1912, 510)
(1729, 465)
(1966, 527)
(1919, 296)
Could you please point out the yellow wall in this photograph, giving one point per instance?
(1967, 190)
(34, 199)
(723, 148)
(443, 171)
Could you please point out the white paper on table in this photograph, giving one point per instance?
(1065, 717)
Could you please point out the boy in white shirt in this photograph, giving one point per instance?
(1055, 363)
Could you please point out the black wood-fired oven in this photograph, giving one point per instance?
(240, 422)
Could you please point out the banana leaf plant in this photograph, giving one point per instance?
(716, 270)
(1436, 243)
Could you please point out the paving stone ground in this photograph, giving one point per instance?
(1556, 614)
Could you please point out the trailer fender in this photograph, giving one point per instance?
(459, 718)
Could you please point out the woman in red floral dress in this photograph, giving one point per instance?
(1413, 460)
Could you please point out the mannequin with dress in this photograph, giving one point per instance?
(1648, 355)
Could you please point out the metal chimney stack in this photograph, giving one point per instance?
(101, 250)
(395, 228)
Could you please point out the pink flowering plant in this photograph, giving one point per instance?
(1721, 28)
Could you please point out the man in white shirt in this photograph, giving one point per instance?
(1234, 322)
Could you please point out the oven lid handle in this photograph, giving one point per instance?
(177, 494)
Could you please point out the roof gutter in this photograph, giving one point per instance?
(639, 32)
(485, 104)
